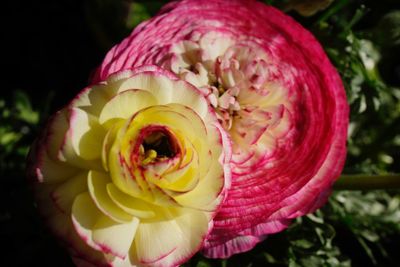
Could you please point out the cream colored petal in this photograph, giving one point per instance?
(215, 44)
(82, 143)
(189, 96)
(86, 134)
(64, 194)
(115, 238)
(199, 80)
(125, 104)
(131, 205)
(156, 240)
(159, 86)
(93, 99)
(168, 91)
(97, 184)
(84, 216)
(57, 127)
(52, 171)
(172, 242)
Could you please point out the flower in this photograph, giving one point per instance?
(132, 171)
(274, 91)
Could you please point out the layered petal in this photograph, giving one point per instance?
(119, 166)
(275, 93)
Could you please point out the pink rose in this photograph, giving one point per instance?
(275, 92)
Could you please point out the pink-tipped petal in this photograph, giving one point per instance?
(274, 91)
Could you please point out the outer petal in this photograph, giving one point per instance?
(100, 232)
(84, 132)
(65, 193)
(171, 242)
(84, 216)
(167, 91)
(115, 238)
(124, 104)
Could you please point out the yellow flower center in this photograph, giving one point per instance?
(158, 145)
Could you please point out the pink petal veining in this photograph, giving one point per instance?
(296, 178)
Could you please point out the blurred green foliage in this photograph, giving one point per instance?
(355, 228)
(17, 121)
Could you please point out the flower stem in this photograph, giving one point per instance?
(367, 182)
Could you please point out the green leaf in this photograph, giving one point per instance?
(136, 14)
(387, 32)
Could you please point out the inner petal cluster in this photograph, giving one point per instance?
(243, 85)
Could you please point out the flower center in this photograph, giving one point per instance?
(158, 145)
(243, 85)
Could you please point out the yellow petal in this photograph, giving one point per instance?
(133, 206)
(125, 104)
(82, 143)
(206, 195)
(108, 141)
(121, 175)
(86, 134)
(182, 179)
(161, 197)
(97, 184)
(186, 179)
(182, 121)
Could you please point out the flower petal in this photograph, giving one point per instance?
(97, 184)
(168, 91)
(125, 104)
(64, 194)
(172, 241)
(84, 216)
(114, 238)
(131, 205)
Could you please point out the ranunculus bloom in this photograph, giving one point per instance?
(132, 171)
(274, 91)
